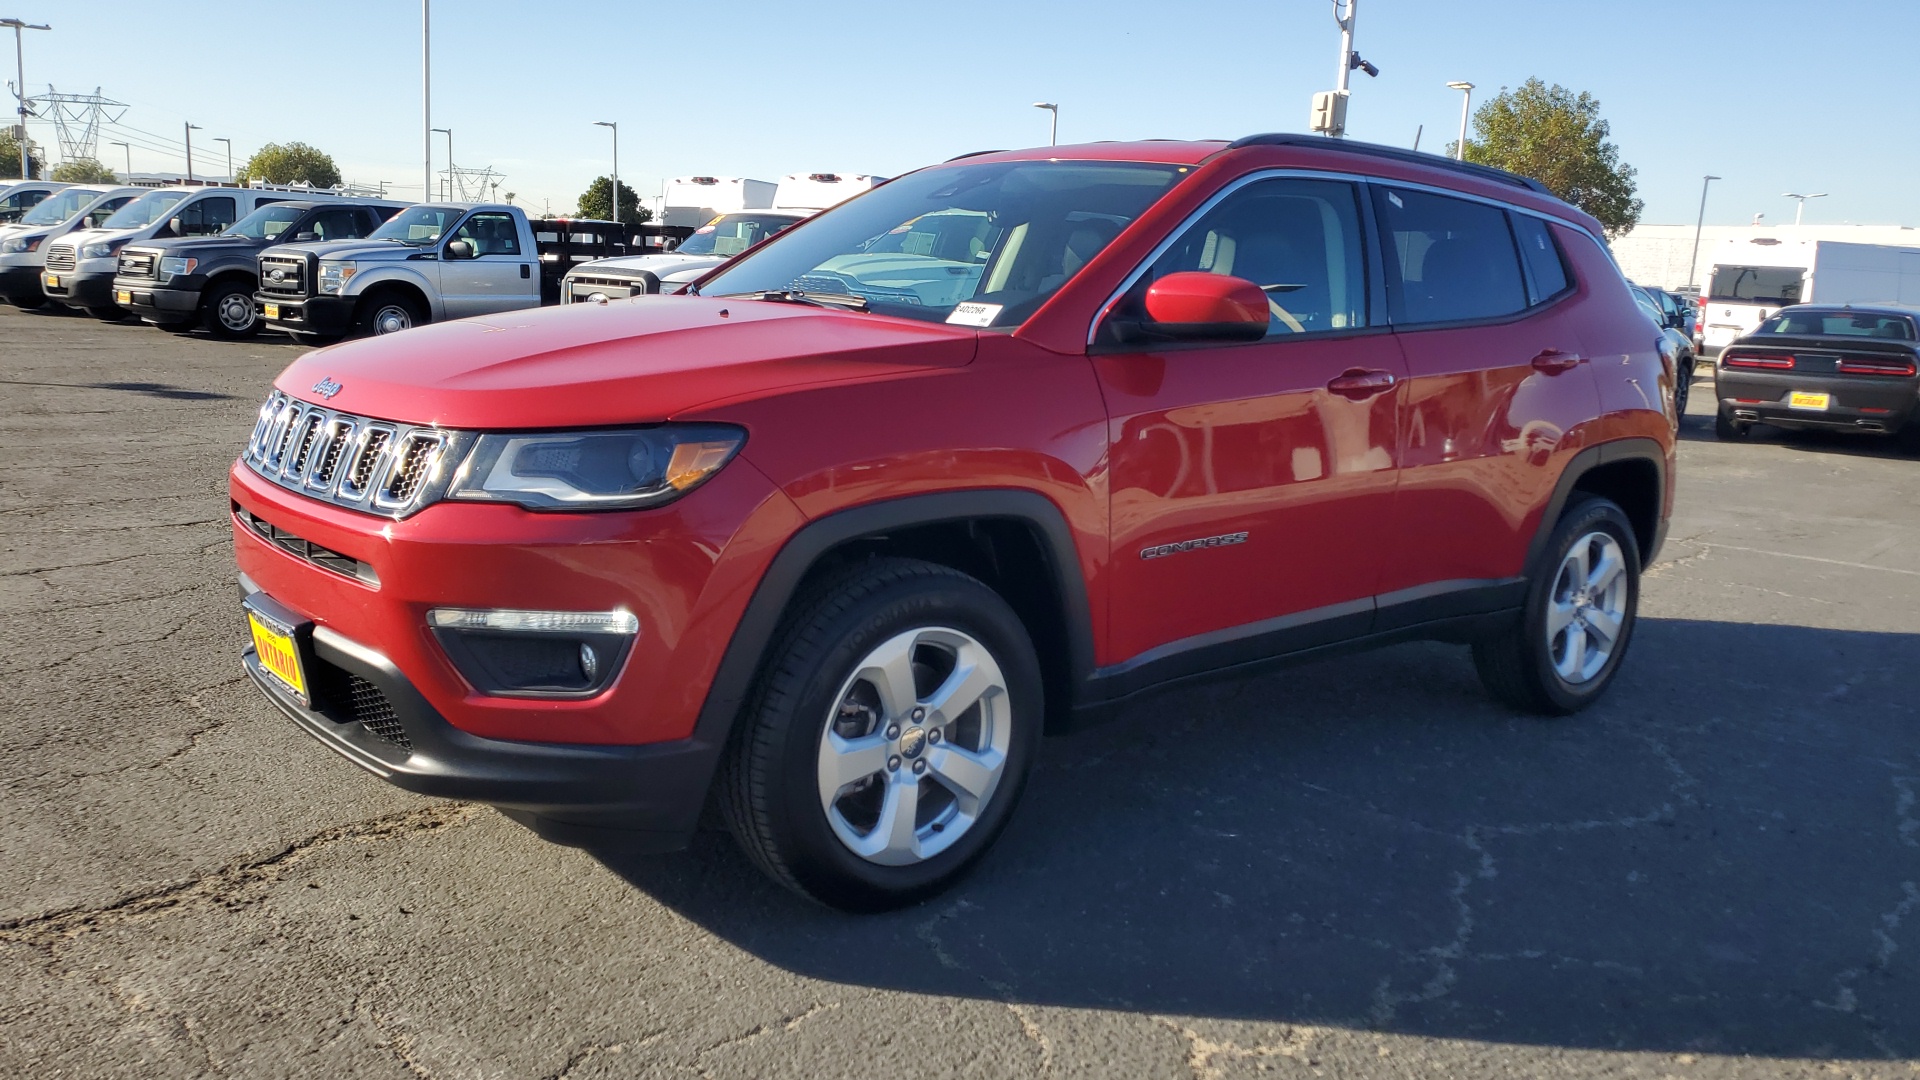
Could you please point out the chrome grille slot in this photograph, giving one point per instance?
(292, 271)
(137, 263)
(368, 465)
(62, 257)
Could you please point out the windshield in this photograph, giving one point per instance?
(1757, 284)
(144, 210)
(60, 206)
(1801, 322)
(1000, 237)
(265, 223)
(418, 226)
(731, 234)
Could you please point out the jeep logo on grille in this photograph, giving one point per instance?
(276, 275)
(326, 388)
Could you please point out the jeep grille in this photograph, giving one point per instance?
(374, 466)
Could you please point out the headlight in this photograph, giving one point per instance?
(595, 470)
(101, 250)
(171, 267)
(335, 275)
(16, 245)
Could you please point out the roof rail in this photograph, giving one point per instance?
(1321, 142)
(973, 153)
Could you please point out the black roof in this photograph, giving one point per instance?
(1880, 308)
(1394, 153)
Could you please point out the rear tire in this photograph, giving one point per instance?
(1564, 650)
(1727, 428)
(227, 311)
(389, 313)
(1683, 388)
(846, 780)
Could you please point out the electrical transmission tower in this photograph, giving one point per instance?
(472, 185)
(77, 119)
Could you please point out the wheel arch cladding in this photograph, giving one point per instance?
(1629, 472)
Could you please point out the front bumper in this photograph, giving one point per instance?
(639, 798)
(1867, 403)
(176, 301)
(328, 316)
(82, 288)
(21, 285)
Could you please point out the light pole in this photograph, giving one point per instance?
(1053, 125)
(129, 175)
(1466, 107)
(229, 143)
(615, 125)
(190, 129)
(1699, 222)
(426, 103)
(1801, 208)
(448, 132)
(20, 72)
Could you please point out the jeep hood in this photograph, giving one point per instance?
(642, 360)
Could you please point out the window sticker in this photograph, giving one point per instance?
(972, 314)
(1395, 200)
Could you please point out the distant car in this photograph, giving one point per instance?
(1684, 356)
(710, 245)
(1680, 312)
(1840, 368)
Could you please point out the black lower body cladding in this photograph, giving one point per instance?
(323, 316)
(158, 304)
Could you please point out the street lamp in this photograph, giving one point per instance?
(190, 129)
(426, 103)
(1466, 103)
(615, 125)
(20, 72)
(1801, 208)
(448, 132)
(1694, 263)
(129, 150)
(1053, 125)
(229, 143)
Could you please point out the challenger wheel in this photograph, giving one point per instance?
(890, 736)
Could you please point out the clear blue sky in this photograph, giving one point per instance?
(1812, 96)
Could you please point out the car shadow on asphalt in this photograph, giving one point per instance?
(1721, 857)
(157, 390)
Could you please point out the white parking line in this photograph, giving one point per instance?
(1818, 559)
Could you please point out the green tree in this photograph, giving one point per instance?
(291, 163)
(10, 159)
(83, 171)
(596, 203)
(1555, 136)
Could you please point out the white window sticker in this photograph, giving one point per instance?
(971, 314)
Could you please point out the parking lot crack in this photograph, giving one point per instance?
(785, 1025)
(593, 1050)
(1208, 1059)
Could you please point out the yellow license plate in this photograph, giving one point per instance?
(272, 311)
(52, 280)
(122, 296)
(1801, 399)
(278, 655)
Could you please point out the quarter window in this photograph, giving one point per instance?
(1542, 256)
(1299, 240)
(1448, 260)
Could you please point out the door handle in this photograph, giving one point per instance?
(525, 271)
(1358, 384)
(1553, 361)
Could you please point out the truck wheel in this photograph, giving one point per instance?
(1578, 619)
(889, 738)
(1683, 387)
(390, 314)
(228, 311)
(1727, 428)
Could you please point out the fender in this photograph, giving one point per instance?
(741, 662)
(1606, 453)
(373, 277)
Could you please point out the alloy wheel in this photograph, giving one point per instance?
(1587, 609)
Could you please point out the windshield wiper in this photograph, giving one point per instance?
(811, 299)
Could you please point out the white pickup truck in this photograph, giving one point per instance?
(709, 246)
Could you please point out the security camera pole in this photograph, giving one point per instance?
(1330, 106)
(20, 72)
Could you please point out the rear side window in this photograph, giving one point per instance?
(1448, 260)
(1542, 256)
(1779, 285)
(344, 223)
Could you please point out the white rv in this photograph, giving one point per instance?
(1754, 277)
(692, 201)
(817, 191)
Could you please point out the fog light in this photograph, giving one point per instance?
(512, 653)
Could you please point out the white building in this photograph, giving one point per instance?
(1657, 255)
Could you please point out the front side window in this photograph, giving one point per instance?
(731, 234)
(60, 206)
(1000, 237)
(20, 200)
(490, 234)
(1448, 260)
(1779, 285)
(418, 226)
(1299, 240)
(145, 210)
(1840, 324)
(205, 217)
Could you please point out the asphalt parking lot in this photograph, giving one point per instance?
(1356, 868)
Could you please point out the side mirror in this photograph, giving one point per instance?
(1196, 306)
(305, 237)
(173, 227)
(459, 249)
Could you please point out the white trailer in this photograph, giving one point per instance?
(817, 191)
(692, 201)
(1752, 278)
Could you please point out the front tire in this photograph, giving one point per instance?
(1578, 619)
(389, 313)
(889, 738)
(228, 312)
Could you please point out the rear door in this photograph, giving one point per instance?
(1252, 483)
(499, 276)
(1483, 304)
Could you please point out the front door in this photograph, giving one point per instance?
(1251, 483)
(498, 276)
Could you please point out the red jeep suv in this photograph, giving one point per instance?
(831, 539)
